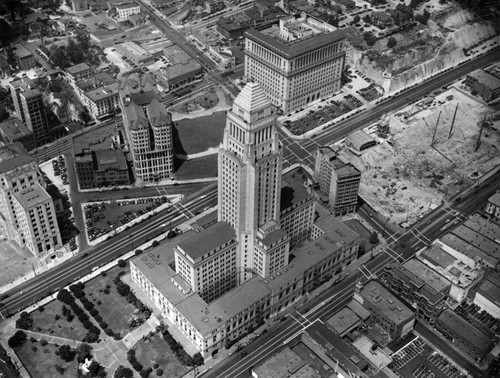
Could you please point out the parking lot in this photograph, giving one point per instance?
(445, 366)
(102, 218)
(323, 114)
(407, 353)
(490, 322)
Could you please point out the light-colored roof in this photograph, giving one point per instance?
(252, 98)
(206, 240)
(280, 365)
(495, 199)
(77, 68)
(32, 196)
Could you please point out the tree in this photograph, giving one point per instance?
(423, 18)
(85, 116)
(66, 353)
(373, 238)
(25, 321)
(17, 340)
(123, 372)
(392, 42)
(356, 19)
(369, 38)
(82, 352)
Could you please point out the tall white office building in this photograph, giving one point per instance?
(250, 181)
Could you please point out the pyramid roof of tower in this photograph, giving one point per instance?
(251, 98)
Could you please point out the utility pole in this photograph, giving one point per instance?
(453, 122)
(435, 130)
(478, 143)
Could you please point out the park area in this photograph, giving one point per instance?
(102, 292)
(154, 352)
(41, 361)
(49, 319)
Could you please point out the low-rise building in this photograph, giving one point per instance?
(469, 340)
(78, 72)
(487, 295)
(462, 273)
(485, 84)
(352, 316)
(124, 11)
(392, 315)
(13, 130)
(285, 363)
(212, 6)
(181, 70)
(419, 285)
(493, 206)
(135, 54)
(24, 58)
(381, 19)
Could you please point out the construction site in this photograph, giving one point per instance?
(428, 152)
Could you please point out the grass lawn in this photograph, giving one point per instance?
(45, 322)
(42, 362)
(205, 166)
(194, 135)
(157, 351)
(114, 309)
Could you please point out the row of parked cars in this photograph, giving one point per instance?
(59, 166)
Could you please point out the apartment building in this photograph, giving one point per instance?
(338, 181)
(296, 62)
(149, 131)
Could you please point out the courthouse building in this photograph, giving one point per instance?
(296, 62)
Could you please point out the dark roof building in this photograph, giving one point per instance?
(14, 130)
(469, 340)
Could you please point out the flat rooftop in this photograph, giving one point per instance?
(466, 248)
(110, 159)
(386, 302)
(486, 79)
(490, 287)
(428, 276)
(280, 365)
(21, 51)
(15, 128)
(293, 191)
(343, 321)
(495, 199)
(335, 347)
(479, 240)
(205, 240)
(474, 337)
(32, 196)
(437, 256)
(12, 156)
(77, 68)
